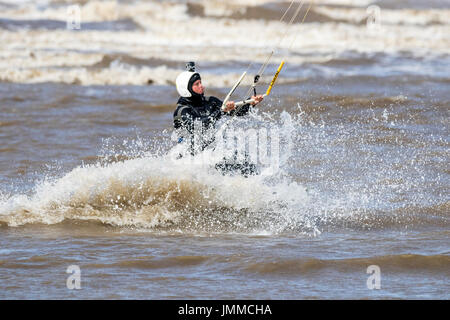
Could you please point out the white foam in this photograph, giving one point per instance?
(116, 74)
(388, 16)
(99, 193)
(168, 32)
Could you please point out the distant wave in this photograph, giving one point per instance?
(47, 24)
(387, 263)
(276, 267)
(136, 44)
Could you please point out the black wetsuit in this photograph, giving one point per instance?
(202, 112)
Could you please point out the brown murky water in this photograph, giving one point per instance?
(87, 176)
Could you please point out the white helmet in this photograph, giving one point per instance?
(183, 83)
(186, 79)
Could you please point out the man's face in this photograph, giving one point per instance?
(198, 87)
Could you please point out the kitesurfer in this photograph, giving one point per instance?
(196, 112)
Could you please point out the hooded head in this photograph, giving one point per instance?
(185, 80)
(184, 83)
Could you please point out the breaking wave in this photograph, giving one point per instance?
(160, 192)
(148, 192)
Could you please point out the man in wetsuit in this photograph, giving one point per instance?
(194, 109)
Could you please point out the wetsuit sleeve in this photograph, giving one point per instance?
(241, 111)
(216, 108)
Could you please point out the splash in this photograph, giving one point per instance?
(161, 192)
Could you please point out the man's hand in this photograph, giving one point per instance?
(230, 106)
(257, 99)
